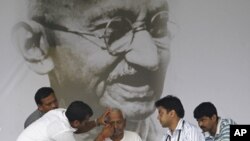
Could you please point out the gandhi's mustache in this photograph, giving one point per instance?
(122, 69)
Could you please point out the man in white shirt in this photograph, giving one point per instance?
(114, 129)
(170, 116)
(61, 124)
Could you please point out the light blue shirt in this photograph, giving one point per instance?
(222, 131)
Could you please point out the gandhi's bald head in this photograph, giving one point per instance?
(56, 10)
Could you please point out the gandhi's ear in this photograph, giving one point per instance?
(33, 44)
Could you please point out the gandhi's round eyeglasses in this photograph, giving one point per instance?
(118, 27)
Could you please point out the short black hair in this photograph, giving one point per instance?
(41, 93)
(171, 102)
(78, 110)
(205, 109)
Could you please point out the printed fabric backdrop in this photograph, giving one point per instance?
(201, 55)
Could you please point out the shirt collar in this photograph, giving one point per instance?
(178, 127)
(218, 126)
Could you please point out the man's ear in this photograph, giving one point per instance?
(75, 124)
(31, 39)
(40, 108)
(214, 117)
(172, 113)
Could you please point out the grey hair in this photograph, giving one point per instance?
(119, 111)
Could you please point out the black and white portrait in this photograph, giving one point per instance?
(107, 53)
(124, 54)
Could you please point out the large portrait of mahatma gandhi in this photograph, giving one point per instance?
(107, 53)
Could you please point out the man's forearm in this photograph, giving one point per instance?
(100, 137)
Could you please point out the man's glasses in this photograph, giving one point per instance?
(118, 27)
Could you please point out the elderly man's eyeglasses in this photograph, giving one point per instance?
(118, 27)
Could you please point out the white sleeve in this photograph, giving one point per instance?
(135, 136)
(64, 136)
(138, 138)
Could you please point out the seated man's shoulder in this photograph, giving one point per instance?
(189, 126)
(191, 131)
(57, 122)
(58, 111)
(133, 135)
(225, 124)
(33, 117)
(227, 121)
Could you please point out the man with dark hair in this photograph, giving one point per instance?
(45, 100)
(61, 124)
(115, 128)
(214, 127)
(171, 113)
(109, 53)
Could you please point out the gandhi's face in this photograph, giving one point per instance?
(123, 61)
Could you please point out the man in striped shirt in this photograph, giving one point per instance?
(214, 127)
(171, 113)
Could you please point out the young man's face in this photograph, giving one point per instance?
(48, 103)
(206, 123)
(125, 70)
(82, 126)
(164, 117)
